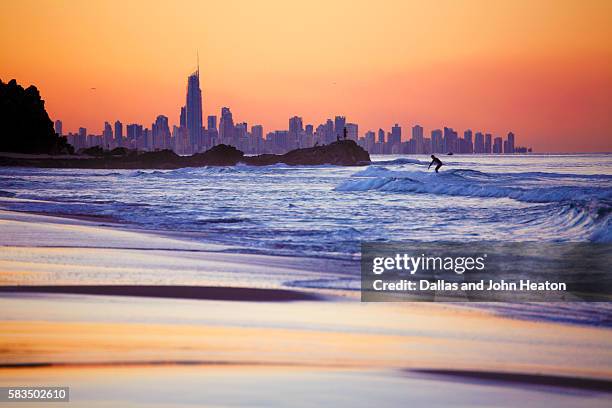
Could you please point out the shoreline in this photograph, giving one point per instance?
(136, 306)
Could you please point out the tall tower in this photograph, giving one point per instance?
(193, 108)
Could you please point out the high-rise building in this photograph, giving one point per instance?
(497, 145)
(487, 143)
(450, 140)
(212, 122)
(58, 127)
(329, 131)
(479, 143)
(467, 145)
(118, 133)
(107, 135)
(381, 136)
(308, 130)
(160, 133)
(183, 118)
(193, 108)
(369, 140)
(395, 137)
(352, 131)
(417, 139)
(226, 127)
(339, 124)
(437, 141)
(296, 129)
(295, 125)
(510, 144)
(133, 133)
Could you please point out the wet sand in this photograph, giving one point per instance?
(174, 292)
(133, 319)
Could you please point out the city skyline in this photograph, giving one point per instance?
(542, 71)
(190, 136)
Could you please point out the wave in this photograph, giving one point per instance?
(580, 204)
(220, 220)
(401, 161)
(473, 183)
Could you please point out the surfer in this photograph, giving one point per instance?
(438, 162)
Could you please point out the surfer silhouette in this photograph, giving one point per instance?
(438, 162)
(345, 133)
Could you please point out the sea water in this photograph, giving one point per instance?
(327, 211)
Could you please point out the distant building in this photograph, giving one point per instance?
(58, 127)
(330, 136)
(257, 139)
(467, 145)
(487, 143)
(193, 109)
(212, 122)
(417, 139)
(451, 142)
(510, 143)
(352, 131)
(339, 124)
(118, 133)
(479, 143)
(107, 135)
(160, 134)
(497, 145)
(395, 137)
(437, 142)
(226, 127)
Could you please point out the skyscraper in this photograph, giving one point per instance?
(193, 108)
(510, 143)
(58, 127)
(212, 122)
(417, 139)
(478, 142)
(329, 131)
(352, 131)
(437, 142)
(226, 127)
(339, 123)
(118, 133)
(395, 137)
(160, 132)
(497, 145)
(468, 145)
(381, 136)
(487, 143)
(107, 135)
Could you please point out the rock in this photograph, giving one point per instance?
(219, 155)
(341, 153)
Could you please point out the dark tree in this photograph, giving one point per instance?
(25, 126)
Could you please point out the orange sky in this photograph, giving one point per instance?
(542, 69)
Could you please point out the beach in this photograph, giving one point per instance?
(207, 328)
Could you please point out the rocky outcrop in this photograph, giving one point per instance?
(341, 153)
(25, 126)
(220, 155)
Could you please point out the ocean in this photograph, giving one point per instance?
(326, 211)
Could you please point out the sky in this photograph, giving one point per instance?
(541, 69)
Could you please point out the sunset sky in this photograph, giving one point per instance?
(542, 69)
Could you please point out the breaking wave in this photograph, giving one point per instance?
(574, 202)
